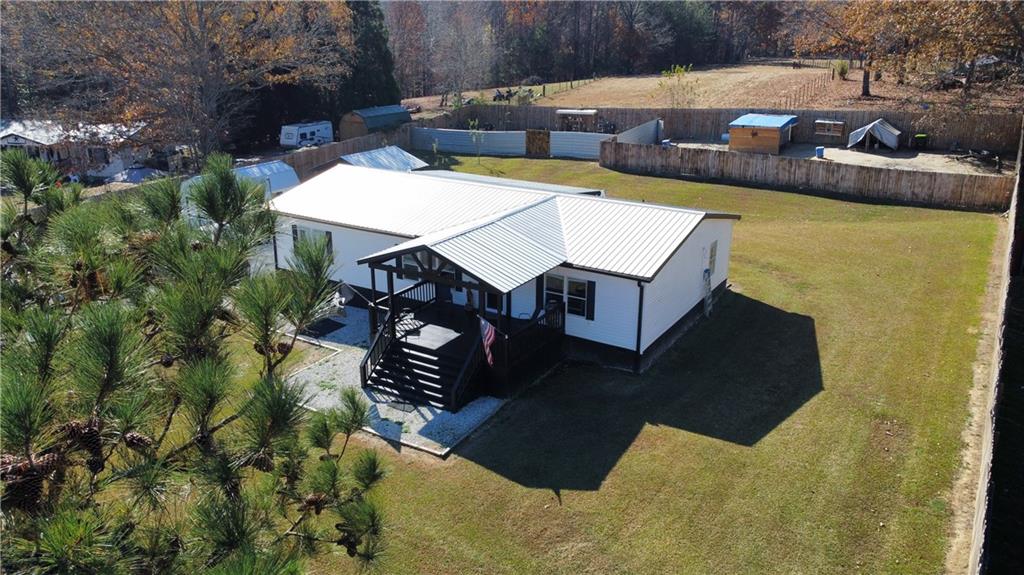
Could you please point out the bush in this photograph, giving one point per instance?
(842, 68)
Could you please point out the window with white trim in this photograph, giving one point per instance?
(304, 233)
(554, 288)
(300, 233)
(578, 295)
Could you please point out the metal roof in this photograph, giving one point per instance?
(277, 175)
(386, 158)
(397, 203)
(136, 175)
(48, 133)
(607, 236)
(884, 131)
(503, 236)
(509, 183)
(383, 116)
(763, 121)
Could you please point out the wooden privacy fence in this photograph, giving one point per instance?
(996, 132)
(940, 189)
(310, 161)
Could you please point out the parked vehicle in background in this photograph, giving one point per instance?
(306, 134)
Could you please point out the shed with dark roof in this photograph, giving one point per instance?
(368, 120)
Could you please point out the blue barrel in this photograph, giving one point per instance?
(819, 152)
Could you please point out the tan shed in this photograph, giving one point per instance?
(763, 133)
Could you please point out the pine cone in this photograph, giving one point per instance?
(24, 492)
(8, 247)
(95, 464)
(79, 264)
(263, 462)
(167, 360)
(73, 430)
(13, 467)
(315, 502)
(137, 441)
(49, 463)
(284, 347)
(197, 246)
(90, 439)
(259, 348)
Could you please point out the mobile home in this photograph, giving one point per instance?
(614, 278)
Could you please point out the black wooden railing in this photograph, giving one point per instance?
(543, 332)
(411, 298)
(466, 373)
(378, 347)
(406, 301)
(545, 326)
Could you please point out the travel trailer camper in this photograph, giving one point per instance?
(306, 134)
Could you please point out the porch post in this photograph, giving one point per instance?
(373, 302)
(508, 312)
(391, 302)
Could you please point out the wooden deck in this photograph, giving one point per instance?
(444, 328)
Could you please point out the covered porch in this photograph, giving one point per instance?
(427, 340)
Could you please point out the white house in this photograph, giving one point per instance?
(97, 151)
(617, 276)
(276, 176)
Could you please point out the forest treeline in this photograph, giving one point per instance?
(225, 75)
(446, 46)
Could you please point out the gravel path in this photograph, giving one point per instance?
(427, 428)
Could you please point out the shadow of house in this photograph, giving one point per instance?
(735, 378)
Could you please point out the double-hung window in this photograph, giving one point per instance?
(554, 288)
(576, 300)
(578, 295)
(302, 233)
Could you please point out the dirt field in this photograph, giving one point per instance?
(900, 159)
(764, 86)
(769, 86)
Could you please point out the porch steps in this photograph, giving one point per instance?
(417, 374)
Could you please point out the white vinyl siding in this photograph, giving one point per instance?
(615, 302)
(679, 286)
(348, 244)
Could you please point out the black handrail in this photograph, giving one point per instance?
(379, 346)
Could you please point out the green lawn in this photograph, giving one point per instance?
(812, 426)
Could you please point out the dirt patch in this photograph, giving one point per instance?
(888, 438)
(965, 498)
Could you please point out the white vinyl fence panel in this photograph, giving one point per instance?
(491, 143)
(646, 133)
(580, 145)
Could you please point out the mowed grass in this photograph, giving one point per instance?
(811, 426)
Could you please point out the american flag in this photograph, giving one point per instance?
(487, 334)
